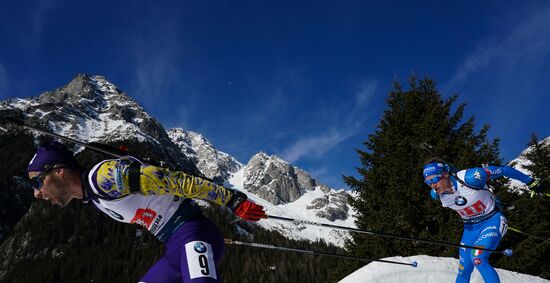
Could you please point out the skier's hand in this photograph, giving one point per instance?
(250, 211)
(246, 209)
(534, 186)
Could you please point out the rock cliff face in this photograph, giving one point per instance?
(333, 206)
(213, 163)
(272, 179)
(278, 182)
(275, 180)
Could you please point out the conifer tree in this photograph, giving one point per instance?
(530, 215)
(539, 157)
(392, 197)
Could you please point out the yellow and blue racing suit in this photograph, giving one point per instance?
(164, 199)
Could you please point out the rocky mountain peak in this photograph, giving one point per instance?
(92, 109)
(275, 180)
(94, 92)
(211, 162)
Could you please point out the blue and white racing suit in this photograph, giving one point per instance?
(484, 224)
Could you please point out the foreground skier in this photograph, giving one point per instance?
(156, 198)
(467, 193)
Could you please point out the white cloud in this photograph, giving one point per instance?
(315, 146)
(472, 64)
(155, 52)
(154, 74)
(505, 80)
(320, 172)
(367, 89)
(523, 48)
(345, 124)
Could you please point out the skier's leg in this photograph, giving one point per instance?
(489, 238)
(202, 249)
(193, 254)
(465, 265)
(162, 272)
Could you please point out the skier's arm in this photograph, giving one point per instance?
(112, 178)
(158, 181)
(155, 180)
(507, 171)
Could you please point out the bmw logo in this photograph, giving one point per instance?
(460, 201)
(200, 247)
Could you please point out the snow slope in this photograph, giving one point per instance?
(296, 210)
(429, 270)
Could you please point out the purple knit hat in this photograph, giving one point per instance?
(54, 153)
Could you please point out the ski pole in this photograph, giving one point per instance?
(265, 246)
(99, 148)
(528, 235)
(506, 252)
(102, 148)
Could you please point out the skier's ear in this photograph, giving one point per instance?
(59, 171)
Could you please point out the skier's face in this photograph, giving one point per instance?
(443, 185)
(54, 187)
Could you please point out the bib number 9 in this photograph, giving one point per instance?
(203, 263)
(200, 260)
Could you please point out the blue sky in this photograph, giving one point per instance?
(305, 80)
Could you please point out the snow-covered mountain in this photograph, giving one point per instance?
(278, 182)
(92, 109)
(317, 205)
(283, 189)
(430, 270)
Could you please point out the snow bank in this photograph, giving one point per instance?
(430, 270)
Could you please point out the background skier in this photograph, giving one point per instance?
(467, 193)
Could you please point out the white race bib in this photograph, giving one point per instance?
(200, 259)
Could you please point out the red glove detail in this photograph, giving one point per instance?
(250, 211)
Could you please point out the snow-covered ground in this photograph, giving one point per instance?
(430, 270)
(296, 210)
